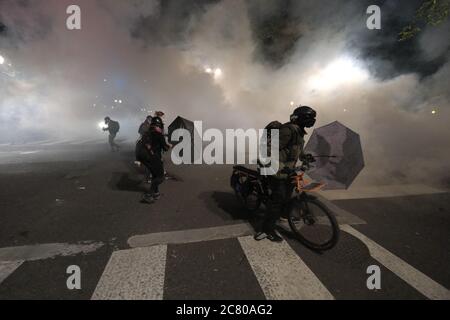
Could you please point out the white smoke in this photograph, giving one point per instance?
(60, 87)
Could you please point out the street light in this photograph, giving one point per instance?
(218, 73)
(102, 125)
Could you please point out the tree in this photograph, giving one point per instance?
(430, 13)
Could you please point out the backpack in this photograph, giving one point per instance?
(296, 135)
(266, 141)
(114, 126)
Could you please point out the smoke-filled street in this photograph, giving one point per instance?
(106, 104)
(79, 205)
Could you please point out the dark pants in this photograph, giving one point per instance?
(279, 199)
(112, 143)
(154, 164)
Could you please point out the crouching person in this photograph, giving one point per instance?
(149, 152)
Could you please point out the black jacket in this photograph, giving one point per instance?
(113, 127)
(154, 142)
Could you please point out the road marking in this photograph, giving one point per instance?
(381, 192)
(136, 274)
(45, 251)
(342, 216)
(90, 141)
(53, 143)
(191, 236)
(7, 268)
(281, 273)
(29, 152)
(421, 282)
(34, 143)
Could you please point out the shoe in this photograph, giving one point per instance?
(274, 237)
(157, 196)
(260, 236)
(148, 199)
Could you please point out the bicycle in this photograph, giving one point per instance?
(313, 224)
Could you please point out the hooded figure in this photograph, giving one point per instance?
(291, 146)
(113, 127)
(149, 152)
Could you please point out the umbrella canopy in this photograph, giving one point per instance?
(336, 140)
(182, 123)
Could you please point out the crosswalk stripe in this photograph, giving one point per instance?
(381, 192)
(281, 273)
(45, 251)
(421, 282)
(135, 274)
(191, 236)
(7, 268)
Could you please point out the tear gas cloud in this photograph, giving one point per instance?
(231, 64)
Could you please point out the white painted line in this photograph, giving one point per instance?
(58, 142)
(381, 192)
(136, 274)
(191, 236)
(281, 273)
(29, 152)
(34, 143)
(90, 141)
(421, 282)
(45, 251)
(7, 268)
(342, 216)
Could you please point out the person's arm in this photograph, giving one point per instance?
(163, 142)
(141, 129)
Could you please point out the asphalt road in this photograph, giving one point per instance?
(75, 203)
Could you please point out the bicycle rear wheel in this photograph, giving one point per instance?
(246, 192)
(314, 224)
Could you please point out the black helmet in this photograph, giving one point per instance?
(107, 119)
(304, 116)
(157, 122)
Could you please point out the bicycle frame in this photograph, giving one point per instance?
(260, 184)
(303, 185)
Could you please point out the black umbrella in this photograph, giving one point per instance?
(339, 155)
(182, 123)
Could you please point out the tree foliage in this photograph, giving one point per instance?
(430, 13)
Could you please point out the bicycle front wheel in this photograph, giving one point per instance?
(314, 224)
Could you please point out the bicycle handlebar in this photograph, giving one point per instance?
(307, 160)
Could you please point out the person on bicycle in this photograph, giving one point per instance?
(291, 136)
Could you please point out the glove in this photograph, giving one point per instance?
(308, 158)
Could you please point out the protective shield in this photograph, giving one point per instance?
(347, 161)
